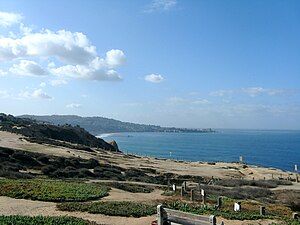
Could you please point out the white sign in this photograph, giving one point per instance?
(174, 187)
(237, 207)
(202, 192)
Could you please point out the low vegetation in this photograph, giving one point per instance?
(255, 183)
(250, 211)
(40, 220)
(134, 188)
(111, 208)
(239, 192)
(54, 191)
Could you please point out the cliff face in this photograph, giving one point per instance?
(40, 131)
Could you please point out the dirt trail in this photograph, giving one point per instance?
(120, 195)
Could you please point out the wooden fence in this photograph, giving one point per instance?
(167, 216)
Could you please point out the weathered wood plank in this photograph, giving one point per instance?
(174, 216)
(175, 213)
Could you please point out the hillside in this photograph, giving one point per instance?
(52, 134)
(98, 125)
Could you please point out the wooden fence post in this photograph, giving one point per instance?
(212, 220)
(184, 185)
(219, 202)
(181, 192)
(262, 210)
(192, 195)
(295, 216)
(203, 194)
(174, 187)
(160, 217)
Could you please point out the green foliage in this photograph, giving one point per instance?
(287, 222)
(40, 220)
(114, 208)
(54, 191)
(134, 188)
(256, 183)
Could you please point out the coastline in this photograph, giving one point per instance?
(258, 148)
(221, 170)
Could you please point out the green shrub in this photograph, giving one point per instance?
(40, 220)
(55, 191)
(256, 183)
(134, 188)
(126, 209)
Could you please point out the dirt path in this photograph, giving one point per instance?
(120, 195)
(295, 186)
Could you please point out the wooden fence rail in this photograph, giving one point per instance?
(167, 216)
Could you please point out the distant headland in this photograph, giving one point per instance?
(99, 125)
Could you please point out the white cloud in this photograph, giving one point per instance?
(42, 84)
(9, 19)
(56, 83)
(115, 57)
(255, 91)
(90, 72)
(27, 68)
(178, 100)
(72, 51)
(200, 101)
(154, 78)
(36, 94)
(74, 105)
(160, 5)
(68, 47)
(251, 91)
(221, 93)
(2, 73)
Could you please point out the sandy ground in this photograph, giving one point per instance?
(219, 170)
(120, 195)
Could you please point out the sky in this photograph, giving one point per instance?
(195, 64)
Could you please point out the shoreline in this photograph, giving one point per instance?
(221, 170)
(208, 152)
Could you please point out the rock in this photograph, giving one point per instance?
(115, 145)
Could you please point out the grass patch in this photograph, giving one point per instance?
(26, 220)
(133, 188)
(53, 191)
(113, 208)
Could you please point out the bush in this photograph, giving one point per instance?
(47, 170)
(40, 220)
(54, 191)
(134, 188)
(126, 209)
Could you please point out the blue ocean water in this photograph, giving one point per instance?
(279, 149)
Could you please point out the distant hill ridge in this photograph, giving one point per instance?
(51, 134)
(99, 125)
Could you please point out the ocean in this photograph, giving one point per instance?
(269, 148)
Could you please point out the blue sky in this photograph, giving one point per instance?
(220, 64)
